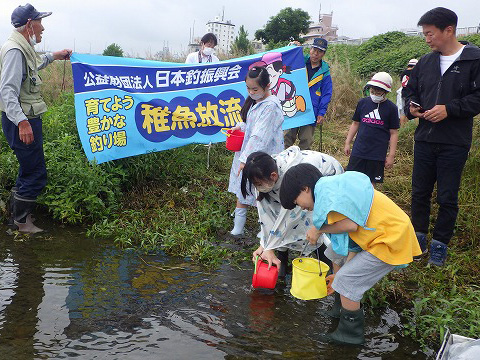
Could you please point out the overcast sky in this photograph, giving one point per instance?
(143, 26)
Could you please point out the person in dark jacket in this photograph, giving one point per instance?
(444, 93)
(321, 88)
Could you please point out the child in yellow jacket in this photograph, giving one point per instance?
(370, 236)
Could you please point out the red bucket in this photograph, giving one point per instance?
(234, 139)
(264, 278)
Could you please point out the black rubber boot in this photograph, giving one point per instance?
(22, 215)
(10, 207)
(350, 329)
(283, 257)
(337, 305)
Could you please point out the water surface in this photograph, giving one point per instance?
(65, 296)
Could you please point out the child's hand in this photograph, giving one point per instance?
(313, 234)
(269, 256)
(256, 253)
(389, 162)
(329, 279)
(240, 168)
(346, 149)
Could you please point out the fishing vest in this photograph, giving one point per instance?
(30, 97)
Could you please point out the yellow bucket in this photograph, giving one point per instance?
(308, 278)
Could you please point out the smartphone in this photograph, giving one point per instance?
(421, 110)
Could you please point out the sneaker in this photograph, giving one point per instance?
(422, 241)
(438, 253)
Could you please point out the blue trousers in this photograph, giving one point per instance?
(443, 164)
(32, 172)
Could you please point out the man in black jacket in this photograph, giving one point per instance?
(444, 93)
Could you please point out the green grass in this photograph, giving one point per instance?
(179, 212)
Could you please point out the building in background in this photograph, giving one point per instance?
(164, 54)
(258, 46)
(224, 30)
(194, 45)
(324, 28)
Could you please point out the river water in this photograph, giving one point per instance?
(65, 296)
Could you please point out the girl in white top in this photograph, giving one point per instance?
(262, 124)
(282, 229)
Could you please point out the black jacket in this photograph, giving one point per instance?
(458, 89)
(404, 73)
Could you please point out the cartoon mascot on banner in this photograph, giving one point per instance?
(282, 88)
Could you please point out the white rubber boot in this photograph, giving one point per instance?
(239, 221)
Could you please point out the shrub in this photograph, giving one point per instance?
(388, 52)
(113, 50)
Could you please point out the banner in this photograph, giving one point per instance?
(126, 107)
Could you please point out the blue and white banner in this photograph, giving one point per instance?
(126, 107)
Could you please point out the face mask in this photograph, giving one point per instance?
(207, 51)
(257, 97)
(377, 99)
(32, 39)
(265, 188)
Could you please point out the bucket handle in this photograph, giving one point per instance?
(318, 258)
(256, 262)
(319, 263)
(224, 132)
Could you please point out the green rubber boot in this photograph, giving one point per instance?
(350, 329)
(337, 305)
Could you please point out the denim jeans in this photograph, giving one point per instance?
(443, 164)
(32, 172)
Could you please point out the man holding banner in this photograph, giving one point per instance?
(320, 86)
(22, 105)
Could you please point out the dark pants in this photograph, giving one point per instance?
(32, 172)
(305, 135)
(443, 164)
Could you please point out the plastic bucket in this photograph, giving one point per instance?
(308, 278)
(234, 139)
(264, 278)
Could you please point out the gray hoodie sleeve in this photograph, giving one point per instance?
(10, 83)
(47, 59)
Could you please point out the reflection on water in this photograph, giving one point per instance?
(64, 296)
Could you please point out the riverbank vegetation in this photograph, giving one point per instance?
(177, 202)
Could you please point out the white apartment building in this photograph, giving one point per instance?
(225, 33)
